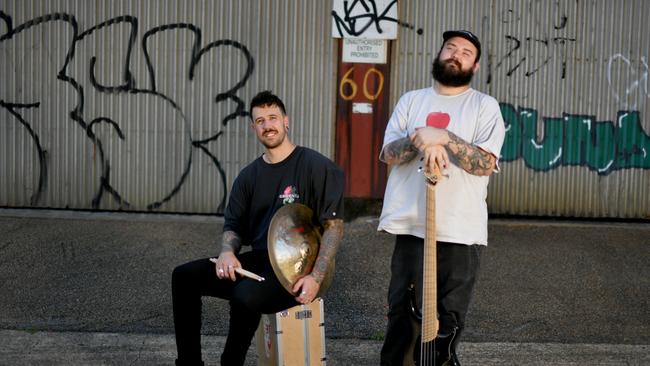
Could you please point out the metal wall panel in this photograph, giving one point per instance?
(572, 80)
(139, 105)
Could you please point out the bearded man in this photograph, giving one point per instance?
(461, 130)
(284, 174)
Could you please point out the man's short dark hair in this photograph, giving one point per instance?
(266, 99)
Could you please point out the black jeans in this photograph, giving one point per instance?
(457, 269)
(248, 300)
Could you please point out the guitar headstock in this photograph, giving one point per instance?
(433, 177)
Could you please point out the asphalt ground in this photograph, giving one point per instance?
(94, 288)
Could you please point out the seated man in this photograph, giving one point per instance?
(284, 174)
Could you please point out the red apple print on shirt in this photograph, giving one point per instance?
(438, 120)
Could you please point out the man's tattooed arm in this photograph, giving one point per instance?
(330, 242)
(231, 242)
(472, 159)
(400, 151)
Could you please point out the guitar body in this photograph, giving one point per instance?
(441, 346)
(438, 351)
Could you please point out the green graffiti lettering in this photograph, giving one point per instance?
(542, 154)
(579, 140)
(511, 149)
(587, 142)
(632, 142)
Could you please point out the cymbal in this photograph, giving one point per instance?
(293, 244)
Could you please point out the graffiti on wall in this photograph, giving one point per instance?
(634, 93)
(126, 122)
(367, 19)
(571, 139)
(580, 140)
(543, 50)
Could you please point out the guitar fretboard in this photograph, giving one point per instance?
(429, 287)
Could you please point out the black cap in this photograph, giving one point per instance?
(468, 36)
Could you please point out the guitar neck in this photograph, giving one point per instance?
(429, 287)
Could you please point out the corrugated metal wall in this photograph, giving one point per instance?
(139, 105)
(572, 80)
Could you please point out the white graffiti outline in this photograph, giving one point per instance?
(641, 82)
(556, 158)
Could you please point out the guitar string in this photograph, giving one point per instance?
(429, 256)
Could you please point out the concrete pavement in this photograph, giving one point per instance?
(74, 348)
(93, 288)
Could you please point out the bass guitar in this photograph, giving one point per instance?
(430, 348)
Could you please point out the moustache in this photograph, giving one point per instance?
(455, 62)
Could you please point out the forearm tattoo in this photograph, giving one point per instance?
(400, 151)
(471, 158)
(332, 237)
(231, 242)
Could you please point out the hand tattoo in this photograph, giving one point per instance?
(400, 151)
(472, 159)
(329, 244)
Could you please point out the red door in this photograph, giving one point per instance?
(361, 118)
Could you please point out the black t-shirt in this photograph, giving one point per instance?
(261, 189)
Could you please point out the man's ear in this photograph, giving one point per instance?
(476, 66)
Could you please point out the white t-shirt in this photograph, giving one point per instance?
(461, 209)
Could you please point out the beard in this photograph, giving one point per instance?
(277, 141)
(445, 74)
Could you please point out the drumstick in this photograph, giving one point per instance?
(249, 274)
(243, 272)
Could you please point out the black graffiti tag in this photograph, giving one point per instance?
(549, 38)
(100, 124)
(360, 15)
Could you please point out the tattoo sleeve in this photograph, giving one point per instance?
(472, 159)
(400, 151)
(231, 242)
(332, 237)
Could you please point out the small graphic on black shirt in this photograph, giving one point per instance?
(289, 195)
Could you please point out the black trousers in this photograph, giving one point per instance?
(457, 270)
(248, 300)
